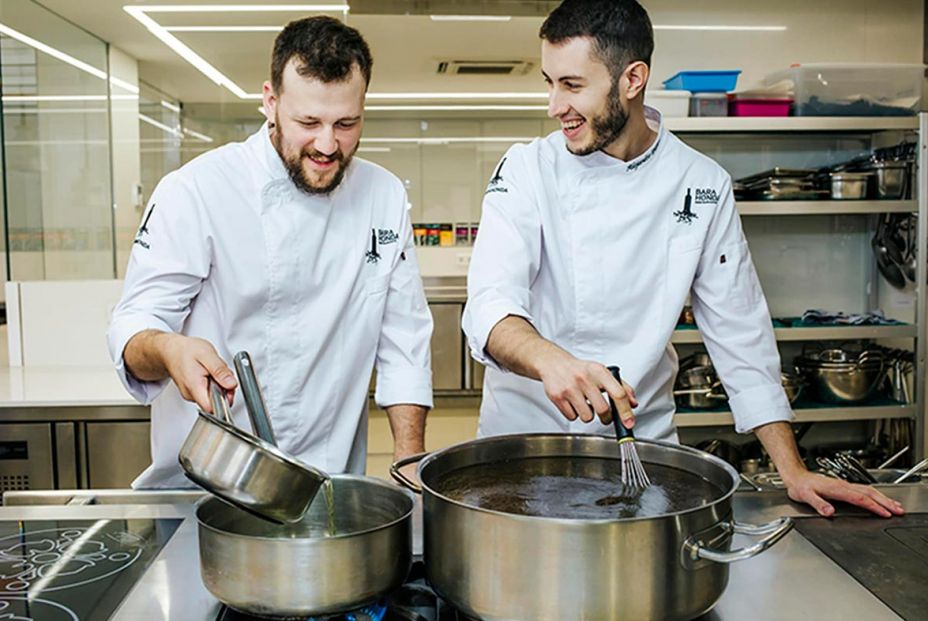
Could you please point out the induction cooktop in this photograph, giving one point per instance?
(74, 570)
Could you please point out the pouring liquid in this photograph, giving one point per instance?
(328, 491)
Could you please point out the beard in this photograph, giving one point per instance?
(608, 126)
(293, 162)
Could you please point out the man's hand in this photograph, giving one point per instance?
(814, 489)
(189, 361)
(574, 386)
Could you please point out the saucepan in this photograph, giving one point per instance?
(539, 526)
(247, 471)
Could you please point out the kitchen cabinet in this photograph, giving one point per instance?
(117, 452)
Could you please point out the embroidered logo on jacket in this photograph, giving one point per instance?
(372, 256)
(386, 236)
(706, 196)
(143, 230)
(686, 215)
(496, 181)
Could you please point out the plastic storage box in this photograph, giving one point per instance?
(668, 103)
(840, 89)
(703, 81)
(709, 104)
(759, 106)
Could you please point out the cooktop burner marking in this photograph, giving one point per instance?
(5, 603)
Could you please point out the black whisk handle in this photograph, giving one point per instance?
(621, 431)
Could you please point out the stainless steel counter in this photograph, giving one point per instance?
(791, 581)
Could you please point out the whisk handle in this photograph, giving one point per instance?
(621, 431)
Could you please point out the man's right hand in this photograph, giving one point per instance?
(575, 386)
(189, 361)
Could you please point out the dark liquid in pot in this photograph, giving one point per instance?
(574, 488)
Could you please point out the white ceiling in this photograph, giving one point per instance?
(406, 48)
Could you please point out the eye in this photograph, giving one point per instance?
(346, 124)
(573, 86)
(309, 124)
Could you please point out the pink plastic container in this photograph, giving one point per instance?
(758, 107)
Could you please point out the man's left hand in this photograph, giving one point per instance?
(814, 490)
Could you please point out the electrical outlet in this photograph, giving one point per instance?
(463, 259)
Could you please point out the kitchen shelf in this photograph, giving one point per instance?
(804, 415)
(817, 333)
(818, 208)
(790, 124)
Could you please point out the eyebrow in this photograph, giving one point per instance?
(566, 78)
(313, 118)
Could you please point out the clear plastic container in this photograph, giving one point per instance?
(709, 104)
(842, 89)
(668, 103)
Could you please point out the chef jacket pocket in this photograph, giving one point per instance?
(375, 285)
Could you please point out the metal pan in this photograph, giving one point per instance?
(248, 472)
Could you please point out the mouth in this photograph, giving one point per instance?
(572, 127)
(321, 162)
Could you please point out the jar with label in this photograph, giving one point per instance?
(446, 235)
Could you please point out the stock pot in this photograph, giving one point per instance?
(499, 561)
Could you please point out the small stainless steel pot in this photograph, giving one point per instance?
(296, 570)
(849, 185)
(498, 567)
(842, 382)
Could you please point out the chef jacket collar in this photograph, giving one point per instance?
(601, 160)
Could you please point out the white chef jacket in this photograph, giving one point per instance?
(600, 255)
(316, 288)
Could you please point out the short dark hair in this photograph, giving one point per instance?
(325, 49)
(621, 30)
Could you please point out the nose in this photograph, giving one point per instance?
(556, 105)
(325, 142)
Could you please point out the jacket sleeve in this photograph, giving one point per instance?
(404, 370)
(506, 255)
(734, 321)
(170, 259)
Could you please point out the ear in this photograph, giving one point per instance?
(269, 101)
(636, 78)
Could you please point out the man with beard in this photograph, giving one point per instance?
(285, 246)
(590, 241)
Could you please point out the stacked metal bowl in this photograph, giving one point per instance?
(841, 377)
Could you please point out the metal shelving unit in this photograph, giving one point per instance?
(916, 331)
(823, 333)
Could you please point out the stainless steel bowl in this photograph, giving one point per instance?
(699, 388)
(849, 186)
(792, 385)
(841, 383)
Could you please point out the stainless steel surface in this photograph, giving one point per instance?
(66, 455)
(891, 179)
(27, 456)
(846, 185)
(102, 497)
(842, 382)
(244, 470)
(116, 453)
(479, 558)
(254, 400)
(792, 580)
(921, 308)
(297, 570)
(447, 347)
(701, 545)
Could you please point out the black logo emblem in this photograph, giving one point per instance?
(686, 214)
(706, 196)
(497, 180)
(372, 256)
(143, 230)
(386, 236)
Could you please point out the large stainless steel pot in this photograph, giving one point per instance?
(503, 567)
(297, 570)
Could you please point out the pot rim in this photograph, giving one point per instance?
(535, 519)
(338, 536)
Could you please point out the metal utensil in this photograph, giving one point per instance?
(850, 462)
(892, 460)
(633, 473)
(254, 400)
(922, 465)
(244, 470)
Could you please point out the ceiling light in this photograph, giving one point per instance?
(41, 98)
(720, 27)
(170, 106)
(470, 18)
(197, 135)
(223, 28)
(243, 8)
(160, 125)
(66, 58)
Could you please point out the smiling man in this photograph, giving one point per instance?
(288, 247)
(590, 241)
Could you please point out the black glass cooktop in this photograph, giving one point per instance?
(74, 570)
(888, 557)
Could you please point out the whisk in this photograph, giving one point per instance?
(633, 473)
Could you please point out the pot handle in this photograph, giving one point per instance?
(401, 478)
(699, 547)
(217, 398)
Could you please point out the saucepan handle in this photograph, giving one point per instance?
(401, 478)
(217, 399)
(703, 546)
